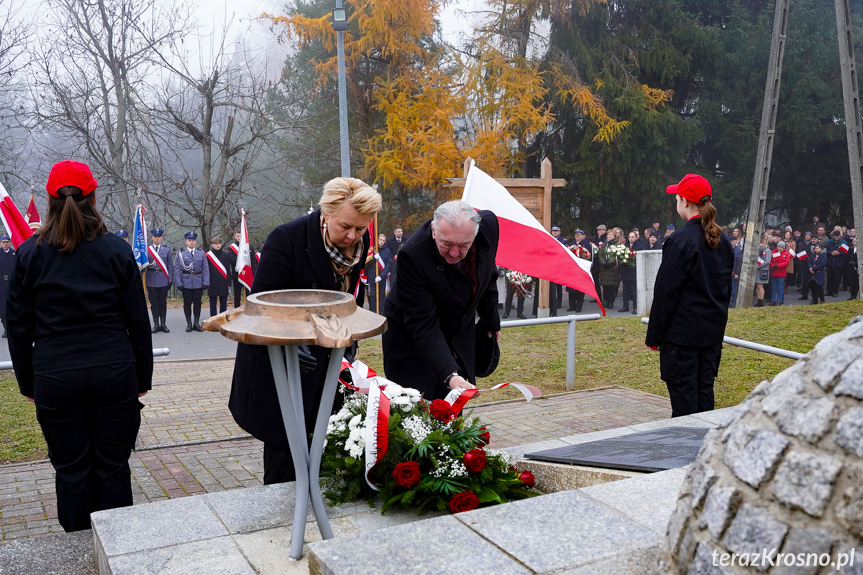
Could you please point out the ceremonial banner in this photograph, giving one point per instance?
(12, 219)
(31, 216)
(526, 246)
(139, 240)
(244, 259)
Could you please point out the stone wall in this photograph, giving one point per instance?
(785, 476)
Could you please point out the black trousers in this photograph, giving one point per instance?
(238, 293)
(805, 276)
(630, 293)
(90, 418)
(158, 303)
(609, 294)
(556, 292)
(818, 292)
(192, 299)
(852, 280)
(689, 372)
(519, 305)
(223, 303)
(833, 277)
(576, 300)
(377, 289)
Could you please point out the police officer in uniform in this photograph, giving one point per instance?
(123, 234)
(192, 274)
(7, 262)
(219, 263)
(159, 278)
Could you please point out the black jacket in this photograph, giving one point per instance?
(293, 258)
(75, 310)
(692, 290)
(7, 262)
(431, 311)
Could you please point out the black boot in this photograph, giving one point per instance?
(188, 325)
(759, 303)
(155, 325)
(197, 326)
(164, 327)
(624, 308)
(505, 314)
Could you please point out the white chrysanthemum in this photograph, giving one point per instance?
(355, 421)
(401, 400)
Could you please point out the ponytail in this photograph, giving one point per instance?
(712, 231)
(72, 218)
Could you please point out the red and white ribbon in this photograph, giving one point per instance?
(459, 397)
(376, 430)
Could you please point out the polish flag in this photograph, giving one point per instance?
(843, 247)
(32, 214)
(802, 255)
(244, 258)
(12, 219)
(525, 246)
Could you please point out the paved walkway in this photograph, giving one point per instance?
(189, 443)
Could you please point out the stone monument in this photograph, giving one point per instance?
(780, 488)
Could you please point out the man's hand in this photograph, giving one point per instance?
(377, 279)
(458, 382)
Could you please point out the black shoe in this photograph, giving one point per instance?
(634, 311)
(623, 309)
(521, 316)
(197, 324)
(803, 297)
(4, 334)
(156, 329)
(813, 302)
(578, 310)
(188, 326)
(164, 328)
(571, 309)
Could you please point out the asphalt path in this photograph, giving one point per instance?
(213, 345)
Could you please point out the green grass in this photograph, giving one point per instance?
(20, 435)
(608, 352)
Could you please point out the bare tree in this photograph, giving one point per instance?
(214, 121)
(15, 33)
(90, 72)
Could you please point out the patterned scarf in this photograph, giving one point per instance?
(342, 262)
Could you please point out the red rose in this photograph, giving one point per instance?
(526, 477)
(483, 438)
(407, 474)
(463, 501)
(441, 410)
(474, 460)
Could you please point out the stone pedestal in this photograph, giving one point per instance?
(646, 265)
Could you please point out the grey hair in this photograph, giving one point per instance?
(456, 213)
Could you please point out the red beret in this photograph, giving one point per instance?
(693, 188)
(70, 173)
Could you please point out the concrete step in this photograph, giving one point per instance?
(59, 554)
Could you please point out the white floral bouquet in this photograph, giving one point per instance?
(623, 254)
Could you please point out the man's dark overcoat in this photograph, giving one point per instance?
(293, 258)
(431, 311)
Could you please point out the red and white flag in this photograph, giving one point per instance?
(843, 247)
(525, 246)
(12, 219)
(244, 259)
(32, 214)
(802, 255)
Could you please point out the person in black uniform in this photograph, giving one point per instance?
(323, 250)
(80, 342)
(220, 276)
(7, 261)
(690, 300)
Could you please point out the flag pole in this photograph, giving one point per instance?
(374, 242)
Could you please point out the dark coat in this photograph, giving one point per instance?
(219, 283)
(627, 272)
(76, 310)
(293, 258)
(431, 311)
(7, 262)
(692, 290)
(819, 267)
(585, 243)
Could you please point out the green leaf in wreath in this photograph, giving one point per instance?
(487, 495)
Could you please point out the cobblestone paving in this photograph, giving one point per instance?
(189, 443)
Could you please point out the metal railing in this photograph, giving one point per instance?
(754, 346)
(570, 337)
(157, 352)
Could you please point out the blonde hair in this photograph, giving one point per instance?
(358, 194)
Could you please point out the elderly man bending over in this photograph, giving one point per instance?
(447, 276)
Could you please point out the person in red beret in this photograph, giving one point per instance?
(80, 342)
(690, 300)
